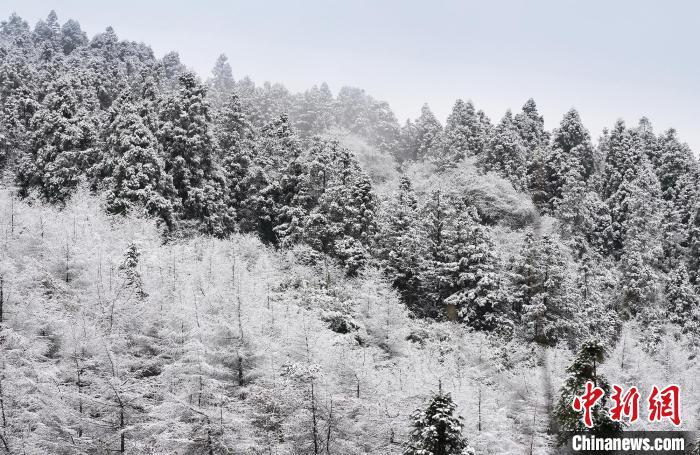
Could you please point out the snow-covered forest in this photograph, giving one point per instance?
(203, 264)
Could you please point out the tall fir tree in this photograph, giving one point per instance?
(399, 244)
(464, 136)
(437, 429)
(571, 149)
(682, 302)
(585, 368)
(505, 153)
(189, 150)
(221, 83)
(428, 131)
(63, 142)
(132, 168)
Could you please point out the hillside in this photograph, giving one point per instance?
(212, 266)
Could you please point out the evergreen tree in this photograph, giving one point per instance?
(221, 84)
(437, 430)
(72, 36)
(478, 299)
(277, 196)
(622, 160)
(505, 153)
(585, 218)
(129, 268)
(682, 302)
(437, 277)
(63, 142)
(542, 299)
(314, 111)
(189, 149)
(343, 223)
(464, 136)
(571, 149)
(428, 131)
(47, 37)
(132, 167)
(583, 369)
(636, 237)
(234, 136)
(398, 244)
(694, 245)
(530, 125)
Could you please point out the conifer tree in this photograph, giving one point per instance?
(221, 84)
(478, 299)
(129, 268)
(189, 150)
(694, 246)
(464, 136)
(399, 245)
(437, 279)
(571, 149)
(437, 430)
(133, 167)
(276, 186)
(530, 125)
(63, 142)
(234, 135)
(622, 160)
(682, 302)
(542, 299)
(505, 153)
(428, 130)
(72, 36)
(584, 368)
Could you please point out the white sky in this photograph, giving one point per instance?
(609, 59)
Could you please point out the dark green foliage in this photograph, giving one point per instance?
(583, 369)
(189, 150)
(437, 430)
(63, 142)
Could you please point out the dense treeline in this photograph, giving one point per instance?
(226, 156)
(513, 230)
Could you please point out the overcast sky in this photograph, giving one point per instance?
(609, 59)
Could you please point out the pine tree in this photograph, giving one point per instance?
(694, 245)
(437, 430)
(542, 298)
(464, 136)
(72, 36)
(478, 299)
(234, 133)
(583, 369)
(129, 268)
(585, 217)
(571, 149)
(622, 160)
(343, 223)
(505, 153)
(132, 167)
(428, 130)
(679, 180)
(682, 302)
(221, 84)
(276, 189)
(63, 142)
(438, 264)
(47, 37)
(530, 125)
(399, 245)
(314, 111)
(189, 149)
